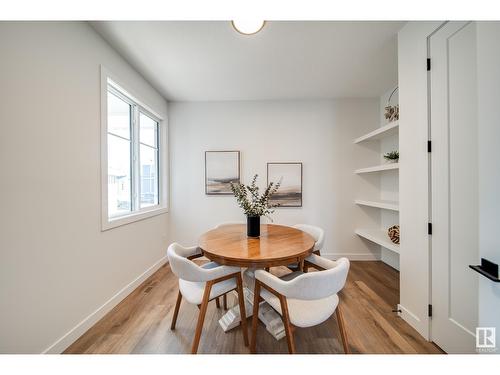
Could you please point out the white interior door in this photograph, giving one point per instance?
(454, 176)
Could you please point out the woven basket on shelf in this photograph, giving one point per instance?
(393, 233)
(392, 111)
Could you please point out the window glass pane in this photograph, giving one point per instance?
(149, 176)
(118, 116)
(119, 176)
(148, 130)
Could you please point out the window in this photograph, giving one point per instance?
(132, 187)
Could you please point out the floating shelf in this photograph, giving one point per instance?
(386, 205)
(378, 168)
(379, 237)
(384, 131)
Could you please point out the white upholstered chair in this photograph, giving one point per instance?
(317, 233)
(303, 299)
(223, 224)
(229, 223)
(200, 284)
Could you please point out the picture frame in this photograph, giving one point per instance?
(290, 192)
(221, 168)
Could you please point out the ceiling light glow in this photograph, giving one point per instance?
(248, 26)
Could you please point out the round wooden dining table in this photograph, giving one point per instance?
(278, 245)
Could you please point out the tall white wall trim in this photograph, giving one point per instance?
(413, 174)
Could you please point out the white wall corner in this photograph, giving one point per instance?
(71, 336)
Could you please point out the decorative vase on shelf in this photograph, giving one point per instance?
(253, 226)
(392, 111)
(254, 204)
(393, 233)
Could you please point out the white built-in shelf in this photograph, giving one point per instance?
(379, 237)
(387, 205)
(384, 131)
(378, 168)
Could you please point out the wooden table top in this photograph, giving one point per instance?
(277, 245)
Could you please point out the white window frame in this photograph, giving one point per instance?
(124, 92)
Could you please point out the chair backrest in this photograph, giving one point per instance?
(182, 267)
(316, 232)
(229, 223)
(321, 284)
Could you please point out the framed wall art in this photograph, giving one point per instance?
(290, 191)
(221, 168)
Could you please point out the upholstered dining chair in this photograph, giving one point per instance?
(303, 299)
(224, 297)
(229, 223)
(200, 284)
(315, 232)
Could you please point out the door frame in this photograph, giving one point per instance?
(455, 27)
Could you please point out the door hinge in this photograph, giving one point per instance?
(428, 64)
(429, 146)
(429, 311)
(429, 228)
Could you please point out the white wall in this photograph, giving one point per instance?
(56, 266)
(488, 76)
(319, 134)
(413, 174)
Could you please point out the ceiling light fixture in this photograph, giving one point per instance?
(248, 27)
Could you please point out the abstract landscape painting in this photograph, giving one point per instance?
(290, 192)
(221, 168)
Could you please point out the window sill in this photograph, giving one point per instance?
(132, 218)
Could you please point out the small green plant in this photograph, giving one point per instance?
(392, 156)
(249, 199)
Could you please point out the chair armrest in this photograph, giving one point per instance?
(318, 261)
(195, 256)
(274, 282)
(217, 272)
(190, 252)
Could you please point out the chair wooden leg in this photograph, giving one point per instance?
(176, 310)
(201, 317)
(224, 299)
(288, 327)
(217, 303)
(343, 333)
(255, 319)
(241, 301)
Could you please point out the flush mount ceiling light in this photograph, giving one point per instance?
(248, 27)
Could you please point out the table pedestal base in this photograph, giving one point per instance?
(267, 315)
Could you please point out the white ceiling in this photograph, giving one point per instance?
(208, 60)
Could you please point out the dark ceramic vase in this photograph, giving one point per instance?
(253, 226)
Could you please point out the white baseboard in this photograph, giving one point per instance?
(351, 256)
(65, 341)
(413, 320)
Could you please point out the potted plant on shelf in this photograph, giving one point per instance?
(392, 156)
(253, 204)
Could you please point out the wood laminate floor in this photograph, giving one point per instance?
(141, 322)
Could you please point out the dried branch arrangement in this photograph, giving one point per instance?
(253, 203)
